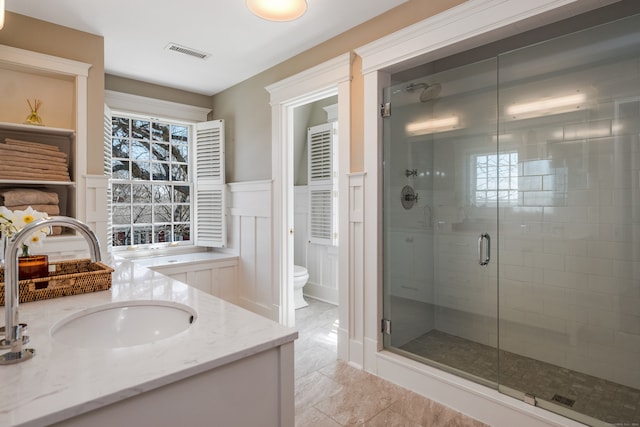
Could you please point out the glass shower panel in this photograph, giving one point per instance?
(442, 183)
(569, 247)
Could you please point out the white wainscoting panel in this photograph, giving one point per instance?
(321, 261)
(250, 237)
(96, 213)
(355, 333)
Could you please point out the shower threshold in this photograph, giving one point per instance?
(595, 397)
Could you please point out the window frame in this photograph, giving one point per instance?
(190, 183)
(121, 102)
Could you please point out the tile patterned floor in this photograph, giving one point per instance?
(595, 397)
(332, 393)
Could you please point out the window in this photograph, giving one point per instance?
(151, 188)
(167, 181)
(496, 179)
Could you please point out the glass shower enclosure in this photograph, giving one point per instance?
(512, 222)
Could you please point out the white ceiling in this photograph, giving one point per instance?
(241, 45)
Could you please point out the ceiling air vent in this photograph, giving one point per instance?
(187, 51)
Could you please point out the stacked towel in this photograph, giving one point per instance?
(39, 200)
(25, 160)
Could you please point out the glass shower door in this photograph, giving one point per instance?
(512, 222)
(570, 247)
(442, 183)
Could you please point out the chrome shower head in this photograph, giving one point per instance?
(429, 91)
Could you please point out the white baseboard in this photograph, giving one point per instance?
(321, 293)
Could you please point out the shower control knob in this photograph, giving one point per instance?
(408, 197)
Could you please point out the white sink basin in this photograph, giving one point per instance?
(123, 324)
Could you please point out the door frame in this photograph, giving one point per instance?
(330, 78)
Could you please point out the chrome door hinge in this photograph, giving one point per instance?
(385, 109)
(386, 326)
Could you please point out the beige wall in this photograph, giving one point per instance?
(40, 36)
(245, 106)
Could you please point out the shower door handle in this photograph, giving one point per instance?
(484, 249)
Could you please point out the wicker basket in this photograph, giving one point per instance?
(71, 277)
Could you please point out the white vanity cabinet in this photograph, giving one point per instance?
(213, 273)
(230, 367)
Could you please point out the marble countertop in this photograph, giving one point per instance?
(180, 259)
(63, 381)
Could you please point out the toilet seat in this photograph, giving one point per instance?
(299, 271)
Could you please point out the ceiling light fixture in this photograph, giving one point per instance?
(277, 10)
(1, 14)
(549, 104)
(432, 126)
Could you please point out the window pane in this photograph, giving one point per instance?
(142, 235)
(181, 194)
(180, 153)
(140, 129)
(120, 127)
(503, 183)
(162, 233)
(141, 193)
(181, 213)
(140, 150)
(179, 173)
(120, 169)
(120, 148)
(161, 132)
(121, 236)
(162, 194)
(161, 213)
(121, 193)
(160, 152)
(181, 232)
(179, 134)
(141, 214)
(121, 214)
(141, 170)
(160, 171)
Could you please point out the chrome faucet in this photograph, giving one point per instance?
(14, 330)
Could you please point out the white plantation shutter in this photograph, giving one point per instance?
(320, 154)
(107, 169)
(210, 219)
(321, 212)
(321, 181)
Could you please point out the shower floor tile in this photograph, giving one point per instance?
(595, 397)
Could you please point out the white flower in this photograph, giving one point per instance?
(11, 222)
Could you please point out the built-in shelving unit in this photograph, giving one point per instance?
(64, 139)
(61, 85)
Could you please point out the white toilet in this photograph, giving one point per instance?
(300, 277)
